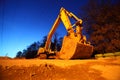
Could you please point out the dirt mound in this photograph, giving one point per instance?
(49, 72)
(35, 69)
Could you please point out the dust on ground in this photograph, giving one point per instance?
(36, 69)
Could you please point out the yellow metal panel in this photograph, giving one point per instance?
(65, 19)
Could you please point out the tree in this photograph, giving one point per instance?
(42, 43)
(103, 26)
(59, 44)
(56, 42)
(19, 54)
(31, 51)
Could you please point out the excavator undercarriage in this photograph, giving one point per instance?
(74, 45)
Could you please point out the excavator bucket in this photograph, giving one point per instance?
(73, 49)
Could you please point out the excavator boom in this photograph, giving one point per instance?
(74, 44)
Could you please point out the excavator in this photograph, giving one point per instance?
(74, 44)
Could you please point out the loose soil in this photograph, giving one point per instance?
(36, 69)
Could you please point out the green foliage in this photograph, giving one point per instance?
(107, 55)
(103, 25)
(31, 51)
(19, 54)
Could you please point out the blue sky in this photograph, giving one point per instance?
(23, 22)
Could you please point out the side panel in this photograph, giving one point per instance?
(65, 19)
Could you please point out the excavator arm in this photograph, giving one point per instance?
(74, 34)
(64, 17)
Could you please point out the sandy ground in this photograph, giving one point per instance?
(36, 69)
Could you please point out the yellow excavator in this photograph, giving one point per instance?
(74, 44)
